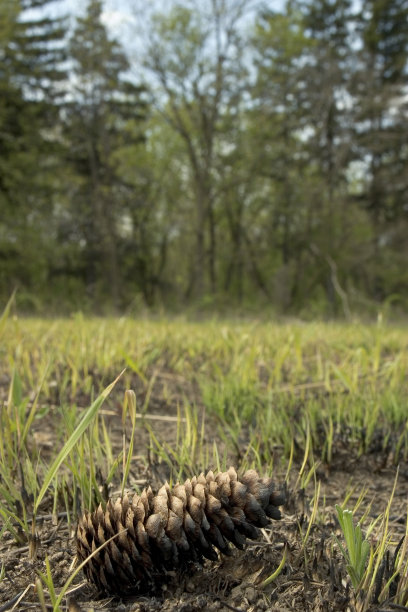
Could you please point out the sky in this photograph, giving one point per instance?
(124, 19)
(117, 13)
(120, 16)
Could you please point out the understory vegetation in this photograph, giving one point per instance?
(319, 406)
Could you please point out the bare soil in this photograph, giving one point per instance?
(313, 578)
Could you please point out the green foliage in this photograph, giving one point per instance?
(258, 160)
(357, 546)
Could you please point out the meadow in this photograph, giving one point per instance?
(90, 408)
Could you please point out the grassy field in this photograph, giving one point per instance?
(322, 406)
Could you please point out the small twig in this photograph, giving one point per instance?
(227, 605)
(151, 417)
(25, 548)
(77, 587)
(10, 605)
(32, 605)
(46, 517)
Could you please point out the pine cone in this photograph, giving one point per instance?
(159, 533)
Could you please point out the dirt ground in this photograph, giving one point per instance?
(313, 578)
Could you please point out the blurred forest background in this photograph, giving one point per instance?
(245, 156)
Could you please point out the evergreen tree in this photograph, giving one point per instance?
(31, 72)
(327, 71)
(277, 120)
(381, 136)
(103, 117)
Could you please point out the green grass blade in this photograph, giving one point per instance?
(278, 570)
(15, 396)
(6, 312)
(33, 409)
(75, 436)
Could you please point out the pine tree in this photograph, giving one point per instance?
(103, 115)
(279, 118)
(381, 136)
(31, 72)
(328, 24)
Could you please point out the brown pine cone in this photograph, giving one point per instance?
(159, 533)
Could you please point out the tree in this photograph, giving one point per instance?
(279, 124)
(304, 61)
(31, 73)
(329, 25)
(103, 116)
(194, 54)
(381, 136)
(151, 253)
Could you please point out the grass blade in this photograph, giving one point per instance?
(6, 312)
(75, 436)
